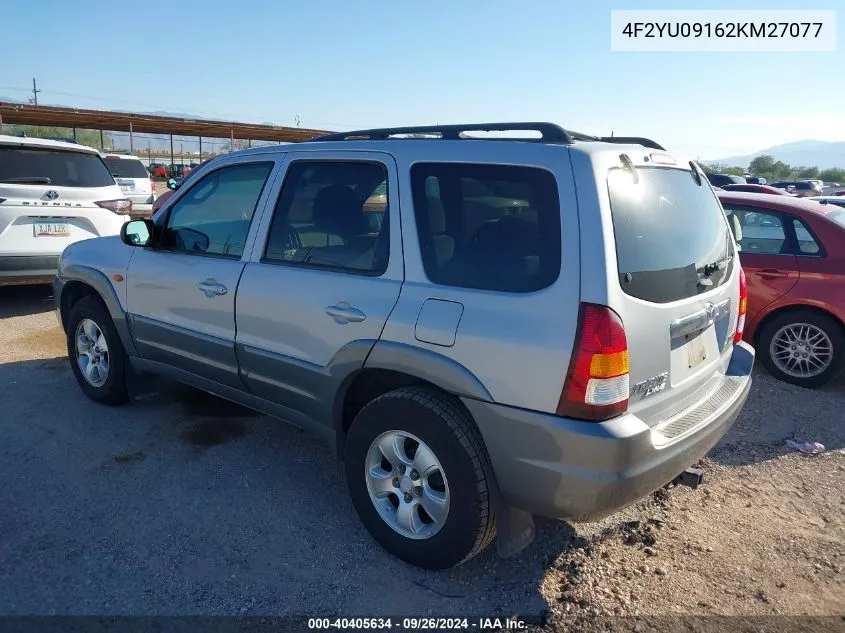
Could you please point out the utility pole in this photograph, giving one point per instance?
(35, 92)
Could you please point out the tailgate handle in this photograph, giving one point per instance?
(697, 321)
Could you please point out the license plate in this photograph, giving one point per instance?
(696, 351)
(46, 229)
(127, 188)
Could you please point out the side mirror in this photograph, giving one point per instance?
(136, 232)
(172, 184)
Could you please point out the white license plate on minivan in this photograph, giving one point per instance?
(48, 229)
(127, 188)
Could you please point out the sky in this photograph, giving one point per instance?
(347, 64)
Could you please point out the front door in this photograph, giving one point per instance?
(766, 254)
(323, 278)
(181, 290)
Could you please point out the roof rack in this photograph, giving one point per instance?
(549, 133)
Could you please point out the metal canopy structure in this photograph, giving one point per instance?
(25, 114)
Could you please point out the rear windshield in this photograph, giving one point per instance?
(127, 168)
(672, 239)
(51, 167)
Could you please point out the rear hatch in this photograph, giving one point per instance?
(676, 284)
(47, 196)
(132, 178)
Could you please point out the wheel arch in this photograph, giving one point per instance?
(391, 366)
(77, 282)
(793, 307)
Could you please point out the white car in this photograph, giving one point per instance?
(52, 194)
(134, 181)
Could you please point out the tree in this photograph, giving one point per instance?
(810, 173)
(834, 174)
(91, 138)
(762, 165)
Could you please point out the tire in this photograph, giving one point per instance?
(113, 389)
(822, 323)
(449, 432)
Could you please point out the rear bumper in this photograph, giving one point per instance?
(28, 269)
(568, 469)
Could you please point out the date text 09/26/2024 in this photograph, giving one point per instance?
(417, 624)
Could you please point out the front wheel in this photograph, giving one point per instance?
(420, 478)
(96, 352)
(802, 347)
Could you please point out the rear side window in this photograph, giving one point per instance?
(490, 227)
(58, 168)
(670, 234)
(838, 217)
(807, 244)
(127, 168)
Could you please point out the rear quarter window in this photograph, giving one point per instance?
(489, 227)
(667, 230)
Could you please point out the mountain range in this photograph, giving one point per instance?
(821, 154)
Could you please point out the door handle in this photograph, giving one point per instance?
(212, 288)
(342, 312)
(772, 273)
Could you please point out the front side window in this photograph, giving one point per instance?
(332, 215)
(214, 215)
(758, 232)
(489, 227)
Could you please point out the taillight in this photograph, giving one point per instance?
(596, 386)
(122, 206)
(743, 306)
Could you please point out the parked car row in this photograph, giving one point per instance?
(174, 170)
(799, 188)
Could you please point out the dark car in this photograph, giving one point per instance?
(801, 188)
(720, 180)
(750, 188)
(793, 254)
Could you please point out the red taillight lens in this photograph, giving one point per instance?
(743, 307)
(122, 206)
(596, 386)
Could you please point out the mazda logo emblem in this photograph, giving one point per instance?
(51, 195)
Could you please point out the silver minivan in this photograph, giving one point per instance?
(483, 329)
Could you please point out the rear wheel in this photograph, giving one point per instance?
(419, 478)
(802, 347)
(95, 351)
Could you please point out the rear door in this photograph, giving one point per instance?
(322, 281)
(48, 198)
(766, 253)
(675, 284)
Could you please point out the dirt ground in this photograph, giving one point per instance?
(762, 539)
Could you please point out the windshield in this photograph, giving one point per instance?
(58, 168)
(127, 168)
(672, 239)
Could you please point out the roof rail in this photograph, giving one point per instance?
(631, 140)
(549, 132)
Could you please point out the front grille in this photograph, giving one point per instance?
(696, 415)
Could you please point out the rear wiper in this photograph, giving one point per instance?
(709, 269)
(28, 180)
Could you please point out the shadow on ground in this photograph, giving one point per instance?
(25, 300)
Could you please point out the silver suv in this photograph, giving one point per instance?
(482, 329)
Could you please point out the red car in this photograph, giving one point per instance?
(750, 188)
(793, 254)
